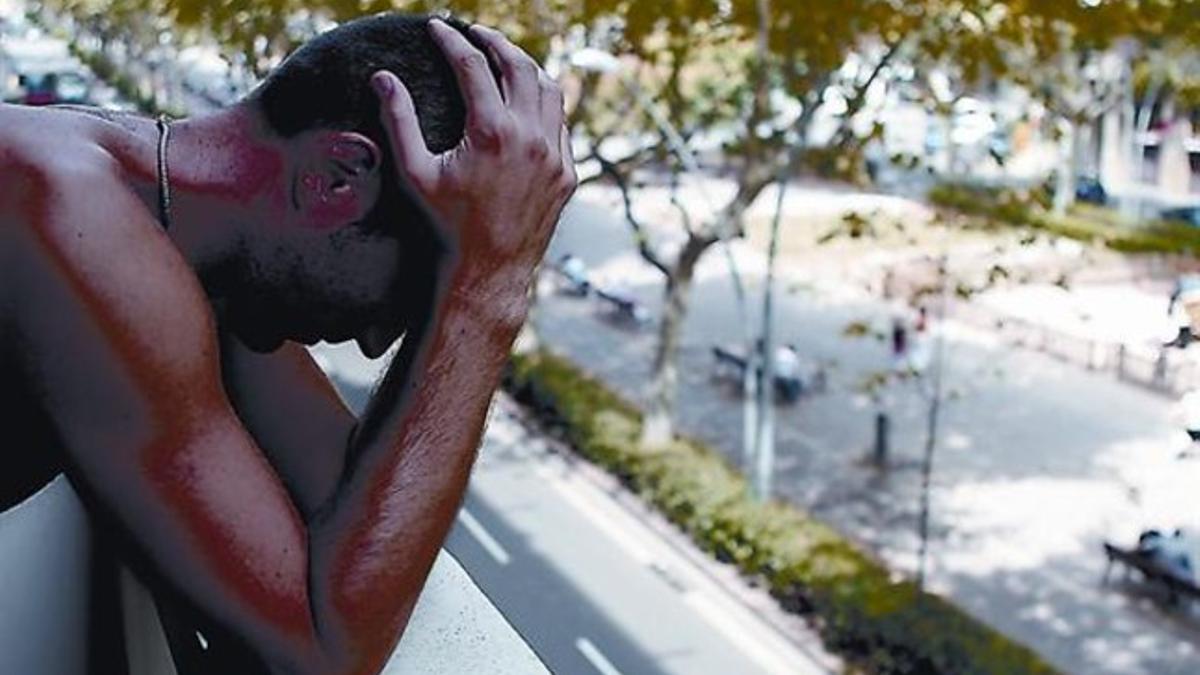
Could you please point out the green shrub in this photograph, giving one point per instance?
(1084, 222)
(837, 163)
(879, 623)
(1006, 205)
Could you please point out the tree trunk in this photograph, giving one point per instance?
(947, 122)
(1064, 192)
(658, 427)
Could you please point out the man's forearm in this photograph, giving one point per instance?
(294, 414)
(373, 545)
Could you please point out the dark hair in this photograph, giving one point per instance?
(326, 84)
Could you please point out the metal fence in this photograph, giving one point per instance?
(1170, 372)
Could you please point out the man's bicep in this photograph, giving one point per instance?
(125, 364)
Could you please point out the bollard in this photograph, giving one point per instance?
(882, 422)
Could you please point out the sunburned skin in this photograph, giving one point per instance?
(186, 413)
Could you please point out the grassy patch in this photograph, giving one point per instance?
(878, 623)
(1089, 224)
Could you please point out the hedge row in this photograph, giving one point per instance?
(1029, 208)
(877, 622)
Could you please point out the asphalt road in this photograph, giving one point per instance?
(590, 587)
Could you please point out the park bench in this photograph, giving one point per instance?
(1173, 585)
(624, 306)
(729, 360)
(732, 364)
(573, 282)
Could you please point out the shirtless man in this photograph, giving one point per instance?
(153, 291)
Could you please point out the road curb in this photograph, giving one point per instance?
(792, 628)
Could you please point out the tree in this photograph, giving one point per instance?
(833, 54)
(1077, 57)
(930, 286)
(753, 73)
(955, 52)
(690, 71)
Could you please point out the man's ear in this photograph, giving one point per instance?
(340, 182)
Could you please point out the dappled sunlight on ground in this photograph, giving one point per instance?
(1115, 313)
(1019, 524)
(1161, 487)
(627, 270)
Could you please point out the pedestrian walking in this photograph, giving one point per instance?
(1183, 307)
(899, 344)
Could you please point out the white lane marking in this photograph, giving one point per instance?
(740, 634)
(569, 487)
(595, 658)
(486, 540)
(756, 639)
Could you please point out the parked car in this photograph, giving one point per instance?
(28, 60)
(1183, 214)
(1090, 190)
(51, 87)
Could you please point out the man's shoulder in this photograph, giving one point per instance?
(36, 184)
(72, 207)
(40, 148)
(77, 225)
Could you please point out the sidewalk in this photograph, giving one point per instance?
(1117, 328)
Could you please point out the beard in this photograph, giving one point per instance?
(250, 308)
(252, 316)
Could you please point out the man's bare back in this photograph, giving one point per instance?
(200, 434)
(44, 153)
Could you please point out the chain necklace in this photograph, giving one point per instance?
(164, 181)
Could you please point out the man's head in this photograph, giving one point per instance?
(349, 251)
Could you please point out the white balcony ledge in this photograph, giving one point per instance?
(455, 629)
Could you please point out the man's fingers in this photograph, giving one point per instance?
(552, 112)
(520, 73)
(399, 118)
(486, 114)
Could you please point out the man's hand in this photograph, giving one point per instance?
(499, 193)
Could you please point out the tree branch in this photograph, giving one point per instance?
(587, 87)
(639, 232)
(683, 214)
(858, 102)
(728, 223)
